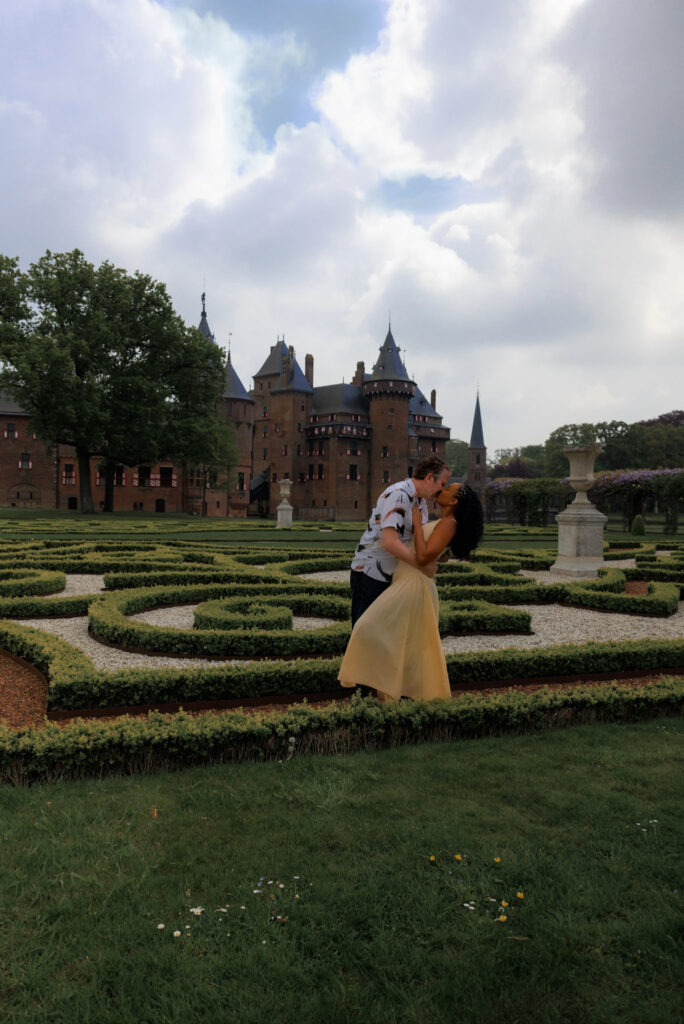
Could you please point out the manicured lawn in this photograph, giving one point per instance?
(352, 920)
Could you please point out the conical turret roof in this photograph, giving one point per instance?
(476, 436)
(234, 386)
(203, 325)
(389, 365)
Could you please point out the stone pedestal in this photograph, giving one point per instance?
(284, 509)
(580, 525)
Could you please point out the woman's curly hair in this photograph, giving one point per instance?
(469, 523)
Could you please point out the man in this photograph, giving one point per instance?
(390, 532)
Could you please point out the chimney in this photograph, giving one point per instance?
(308, 368)
(360, 371)
(284, 369)
(433, 398)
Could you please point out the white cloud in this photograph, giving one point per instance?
(555, 282)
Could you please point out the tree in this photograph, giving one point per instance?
(101, 361)
(571, 435)
(456, 456)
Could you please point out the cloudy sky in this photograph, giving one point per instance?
(504, 176)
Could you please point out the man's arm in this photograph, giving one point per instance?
(389, 538)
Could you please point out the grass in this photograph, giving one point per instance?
(587, 825)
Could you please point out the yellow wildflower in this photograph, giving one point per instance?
(497, 860)
(504, 903)
(457, 856)
(520, 895)
(502, 917)
(432, 860)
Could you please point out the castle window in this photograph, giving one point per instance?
(274, 478)
(385, 476)
(241, 482)
(11, 431)
(410, 471)
(143, 476)
(166, 476)
(25, 461)
(477, 459)
(320, 471)
(213, 480)
(68, 476)
(353, 472)
(299, 428)
(385, 451)
(299, 449)
(265, 412)
(265, 453)
(120, 477)
(434, 446)
(311, 471)
(301, 478)
(265, 431)
(356, 504)
(284, 449)
(389, 426)
(261, 386)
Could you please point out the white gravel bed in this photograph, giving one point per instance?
(111, 659)
(334, 576)
(182, 617)
(79, 584)
(559, 624)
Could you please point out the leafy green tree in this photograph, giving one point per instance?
(101, 361)
(571, 435)
(456, 456)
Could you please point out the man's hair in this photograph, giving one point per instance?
(430, 465)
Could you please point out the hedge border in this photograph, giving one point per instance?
(94, 748)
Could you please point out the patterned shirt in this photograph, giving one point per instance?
(393, 509)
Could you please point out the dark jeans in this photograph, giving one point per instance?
(364, 591)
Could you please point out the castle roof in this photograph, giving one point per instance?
(419, 406)
(274, 361)
(234, 386)
(389, 365)
(339, 398)
(203, 325)
(296, 381)
(477, 436)
(8, 407)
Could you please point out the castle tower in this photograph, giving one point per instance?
(238, 408)
(477, 455)
(283, 395)
(229, 496)
(389, 391)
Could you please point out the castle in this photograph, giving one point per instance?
(338, 444)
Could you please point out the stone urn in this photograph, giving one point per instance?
(582, 470)
(580, 525)
(285, 509)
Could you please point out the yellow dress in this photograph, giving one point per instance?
(395, 646)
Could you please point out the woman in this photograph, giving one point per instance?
(395, 646)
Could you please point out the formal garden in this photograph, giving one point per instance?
(166, 813)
